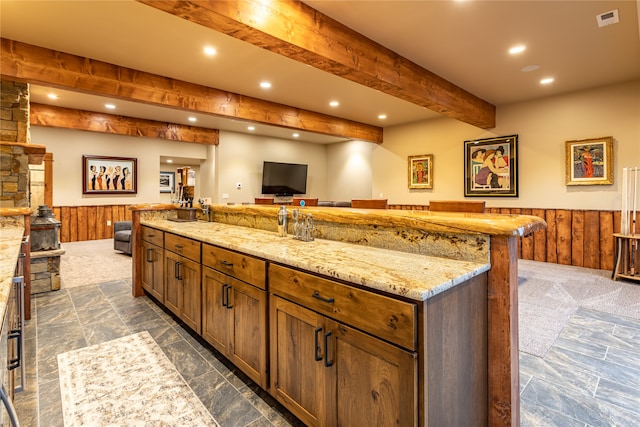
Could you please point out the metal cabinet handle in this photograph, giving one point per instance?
(177, 271)
(224, 295)
(227, 292)
(327, 363)
(318, 350)
(226, 263)
(149, 253)
(317, 295)
(15, 363)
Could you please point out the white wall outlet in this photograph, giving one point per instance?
(239, 185)
(225, 195)
(108, 223)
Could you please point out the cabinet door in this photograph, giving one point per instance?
(248, 349)
(152, 260)
(299, 378)
(183, 292)
(191, 309)
(216, 317)
(173, 283)
(376, 382)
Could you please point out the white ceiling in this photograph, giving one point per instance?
(465, 42)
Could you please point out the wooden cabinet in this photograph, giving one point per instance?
(182, 275)
(234, 319)
(234, 309)
(328, 372)
(152, 260)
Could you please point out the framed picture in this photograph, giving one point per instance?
(491, 167)
(421, 171)
(590, 161)
(167, 180)
(109, 175)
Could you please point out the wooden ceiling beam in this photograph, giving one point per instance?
(68, 118)
(297, 31)
(32, 64)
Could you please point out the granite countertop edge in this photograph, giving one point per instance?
(10, 244)
(413, 276)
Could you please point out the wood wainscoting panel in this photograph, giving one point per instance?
(80, 223)
(578, 237)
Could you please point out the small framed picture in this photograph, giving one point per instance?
(491, 167)
(590, 161)
(109, 175)
(167, 182)
(421, 171)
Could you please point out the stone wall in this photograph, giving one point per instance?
(14, 158)
(14, 117)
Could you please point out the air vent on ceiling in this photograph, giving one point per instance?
(607, 18)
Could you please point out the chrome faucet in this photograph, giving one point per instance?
(205, 208)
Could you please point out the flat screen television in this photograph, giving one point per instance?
(284, 179)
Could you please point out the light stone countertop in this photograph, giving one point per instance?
(10, 244)
(417, 277)
(445, 222)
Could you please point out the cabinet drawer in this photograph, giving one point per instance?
(244, 267)
(379, 315)
(182, 246)
(152, 235)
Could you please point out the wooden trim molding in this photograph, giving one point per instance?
(47, 115)
(299, 32)
(32, 64)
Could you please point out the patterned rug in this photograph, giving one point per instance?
(127, 382)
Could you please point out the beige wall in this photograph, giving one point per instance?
(357, 169)
(349, 172)
(543, 126)
(68, 147)
(240, 160)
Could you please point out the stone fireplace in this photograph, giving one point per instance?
(45, 251)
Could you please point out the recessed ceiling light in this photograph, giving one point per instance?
(296, 135)
(110, 106)
(530, 68)
(265, 85)
(546, 81)
(251, 128)
(334, 103)
(169, 161)
(210, 51)
(382, 116)
(517, 49)
(52, 96)
(193, 119)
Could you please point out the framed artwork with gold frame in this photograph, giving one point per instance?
(590, 161)
(421, 171)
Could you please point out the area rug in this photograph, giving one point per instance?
(127, 382)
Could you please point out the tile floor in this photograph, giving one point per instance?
(78, 317)
(590, 376)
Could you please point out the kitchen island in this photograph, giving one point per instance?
(402, 312)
